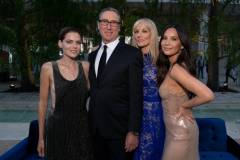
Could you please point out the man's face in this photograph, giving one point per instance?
(109, 26)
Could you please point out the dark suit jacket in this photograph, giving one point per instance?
(116, 100)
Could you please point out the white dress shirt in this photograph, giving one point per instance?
(110, 48)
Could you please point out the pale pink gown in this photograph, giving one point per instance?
(181, 142)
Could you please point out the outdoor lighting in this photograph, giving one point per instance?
(12, 86)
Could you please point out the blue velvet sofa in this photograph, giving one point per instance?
(25, 149)
(214, 143)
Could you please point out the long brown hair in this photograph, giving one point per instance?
(184, 59)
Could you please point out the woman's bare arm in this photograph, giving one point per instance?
(43, 101)
(190, 83)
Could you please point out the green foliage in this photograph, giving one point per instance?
(129, 19)
(230, 36)
(8, 36)
(35, 24)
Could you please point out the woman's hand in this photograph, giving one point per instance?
(186, 113)
(40, 148)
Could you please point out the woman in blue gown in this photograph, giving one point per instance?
(151, 138)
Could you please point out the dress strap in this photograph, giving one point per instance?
(54, 67)
(81, 72)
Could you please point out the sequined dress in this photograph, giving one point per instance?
(181, 142)
(152, 130)
(67, 132)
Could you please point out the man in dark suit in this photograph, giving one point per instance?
(115, 107)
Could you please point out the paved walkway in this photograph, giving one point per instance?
(12, 132)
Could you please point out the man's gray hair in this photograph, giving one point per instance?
(109, 9)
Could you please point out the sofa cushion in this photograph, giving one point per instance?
(204, 155)
(17, 152)
(212, 135)
(33, 137)
(33, 157)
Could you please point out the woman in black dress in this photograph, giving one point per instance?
(65, 133)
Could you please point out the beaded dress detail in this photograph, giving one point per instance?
(67, 131)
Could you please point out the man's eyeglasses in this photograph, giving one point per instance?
(105, 22)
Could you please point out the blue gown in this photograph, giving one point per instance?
(152, 133)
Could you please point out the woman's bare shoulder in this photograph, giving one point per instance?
(85, 65)
(47, 67)
(177, 69)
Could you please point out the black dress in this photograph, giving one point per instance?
(67, 132)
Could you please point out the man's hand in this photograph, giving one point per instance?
(131, 142)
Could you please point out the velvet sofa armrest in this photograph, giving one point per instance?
(33, 137)
(19, 151)
(233, 147)
(212, 134)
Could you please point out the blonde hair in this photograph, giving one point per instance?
(154, 41)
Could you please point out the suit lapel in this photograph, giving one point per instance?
(112, 59)
(94, 54)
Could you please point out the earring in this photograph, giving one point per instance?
(60, 52)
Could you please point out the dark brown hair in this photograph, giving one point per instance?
(184, 59)
(66, 30)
